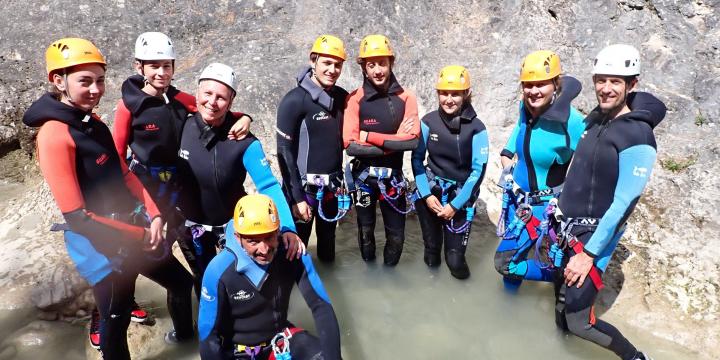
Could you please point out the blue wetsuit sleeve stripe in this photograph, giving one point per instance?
(212, 307)
(258, 167)
(480, 149)
(509, 148)
(317, 299)
(418, 159)
(576, 127)
(635, 166)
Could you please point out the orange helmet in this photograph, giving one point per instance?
(69, 52)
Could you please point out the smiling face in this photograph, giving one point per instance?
(261, 248)
(378, 70)
(611, 92)
(326, 69)
(538, 95)
(451, 101)
(213, 101)
(158, 73)
(83, 86)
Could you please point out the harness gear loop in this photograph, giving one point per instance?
(399, 188)
(342, 197)
(508, 196)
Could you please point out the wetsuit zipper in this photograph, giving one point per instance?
(532, 176)
(592, 169)
(392, 111)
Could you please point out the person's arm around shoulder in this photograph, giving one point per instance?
(318, 301)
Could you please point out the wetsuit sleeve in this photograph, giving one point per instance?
(635, 165)
(400, 141)
(509, 150)
(289, 118)
(258, 167)
(56, 154)
(122, 129)
(213, 308)
(317, 299)
(188, 101)
(418, 163)
(480, 148)
(576, 127)
(138, 190)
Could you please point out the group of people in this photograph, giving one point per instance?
(569, 184)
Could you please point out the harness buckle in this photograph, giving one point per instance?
(380, 172)
(318, 179)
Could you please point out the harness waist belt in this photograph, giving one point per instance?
(376, 171)
(219, 228)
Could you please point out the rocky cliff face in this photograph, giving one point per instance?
(672, 238)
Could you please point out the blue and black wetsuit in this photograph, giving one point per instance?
(544, 147)
(245, 304)
(212, 170)
(377, 166)
(611, 167)
(309, 144)
(457, 154)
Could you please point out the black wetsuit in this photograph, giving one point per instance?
(380, 114)
(457, 153)
(611, 166)
(243, 303)
(309, 141)
(212, 171)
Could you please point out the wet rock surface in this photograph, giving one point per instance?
(670, 269)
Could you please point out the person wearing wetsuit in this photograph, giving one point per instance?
(456, 144)
(543, 140)
(611, 167)
(149, 119)
(246, 293)
(309, 145)
(105, 231)
(212, 169)
(381, 122)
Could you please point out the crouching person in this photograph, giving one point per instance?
(246, 293)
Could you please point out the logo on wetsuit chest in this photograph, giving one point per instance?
(242, 295)
(184, 154)
(151, 127)
(640, 172)
(370, 122)
(434, 137)
(321, 116)
(103, 158)
(588, 222)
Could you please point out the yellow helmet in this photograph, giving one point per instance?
(329, 45)
(540, 65)
(453, 77)
(68, 52)
(375, 45)
(255, 214)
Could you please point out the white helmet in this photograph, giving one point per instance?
(617, 59)
(219, 72)
(154, 46)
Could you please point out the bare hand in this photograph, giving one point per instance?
(302, 211)
(447, 212)
(240, 128)
(154, 235)
(406, 126)
(577, 269)
(434, 204)
(295, 247)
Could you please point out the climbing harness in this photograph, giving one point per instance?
(341, 193)
(507, 198)
(445, 186)
(164, 176)
(198, 230)
(567, 240)
(281, 345)
(398, 187)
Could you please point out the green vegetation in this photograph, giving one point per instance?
(677, 165)
(700, 120)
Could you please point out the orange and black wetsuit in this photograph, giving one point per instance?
(96, 195)
(379, 160)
